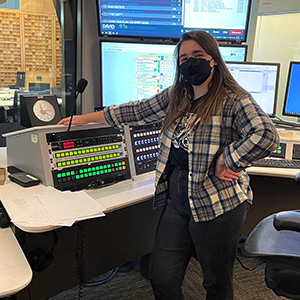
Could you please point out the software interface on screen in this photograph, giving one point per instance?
(292, 95)
(261, 80)
(133, 71)
(223, 19)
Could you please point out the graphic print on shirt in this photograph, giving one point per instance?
(181, 135)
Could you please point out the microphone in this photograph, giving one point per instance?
(81, 85)
(79, 89)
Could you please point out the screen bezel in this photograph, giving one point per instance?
(130, 41)
(273, 114)
(176, 38)
(288, 83)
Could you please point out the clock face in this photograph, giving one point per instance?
(43, 110)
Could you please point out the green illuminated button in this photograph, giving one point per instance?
(101, 167)
(117, 146)
(105, 166)
(72, 162)
(79, 151)
(80, 160)
(115, 154)
(93, 169)
(105, 171)
(101, 172)
(109, 147)
(118, 154)
(87, 151)
(97, 168)
(59, 164)
(77, 177)
(64, 163)
(120, 168)
(63, 174)
(62, 154)
(94, 173)
(72, 172)
(89, 169)
(85, 170)
(57, 155)
(71, 153)
(58, 175)
(76, 161)
(80, 171)
(106, 148)
(68, 162)
(120, 164)
(75, 152)
(102, 148)
(90, 174)
(67, 153)
(96, 157)
(109, 170)
(98, 172)
(100, 157)
(81, 176)
(68, 173)
(83, 151)
(114, 146)
(88, 159)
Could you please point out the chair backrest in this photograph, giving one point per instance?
(16, 105)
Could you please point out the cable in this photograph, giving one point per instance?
(95, 282)
(80, 263)
(286, 123)
(250, 269)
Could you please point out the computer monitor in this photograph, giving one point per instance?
(291, 106)
(224, 20)
(136, 70)
(260, 80)
(38, 86)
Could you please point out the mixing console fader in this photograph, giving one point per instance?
(87, 158)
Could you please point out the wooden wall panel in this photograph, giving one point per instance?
(30, 41)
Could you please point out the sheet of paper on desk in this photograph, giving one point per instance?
(52, 207)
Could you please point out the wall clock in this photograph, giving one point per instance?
(39, 110)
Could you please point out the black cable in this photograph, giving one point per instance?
(248, 268)
(80, 263)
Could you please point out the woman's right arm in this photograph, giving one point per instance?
(95, 117)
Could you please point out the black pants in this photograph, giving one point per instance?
(179, 236)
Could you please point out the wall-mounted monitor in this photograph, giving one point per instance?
(234, 53)
(135, 70)
(291, 106)
(260, 80)
(224, 20)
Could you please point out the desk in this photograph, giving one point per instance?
(15, 271)
(127, 231)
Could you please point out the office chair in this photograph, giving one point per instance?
(276, 240)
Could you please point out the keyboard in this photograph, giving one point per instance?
(4, 218)
(277, 163)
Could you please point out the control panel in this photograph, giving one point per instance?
(87, 158)
(145, 144)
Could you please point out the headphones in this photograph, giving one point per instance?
(38, 258)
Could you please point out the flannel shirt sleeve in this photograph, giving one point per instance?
(258, 135)
(138, 112)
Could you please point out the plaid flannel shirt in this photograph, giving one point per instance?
(244, 134)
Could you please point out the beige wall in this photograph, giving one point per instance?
(277, 39)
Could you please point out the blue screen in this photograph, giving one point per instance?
(223, 19)
(134, 71)
(291, 105)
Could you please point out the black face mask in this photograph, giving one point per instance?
(195, 70)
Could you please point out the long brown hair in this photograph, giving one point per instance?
(182, 92)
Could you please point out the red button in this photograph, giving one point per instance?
(236, 32)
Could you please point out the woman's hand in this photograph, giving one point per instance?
(95, 117)
(223, 172)
(77, 120)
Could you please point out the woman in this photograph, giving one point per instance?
(212, 131)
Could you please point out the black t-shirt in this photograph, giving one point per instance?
(179, 148)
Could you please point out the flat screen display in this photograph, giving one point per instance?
(260, 80)
(133, 71)
(291, 106)
(223, 19)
